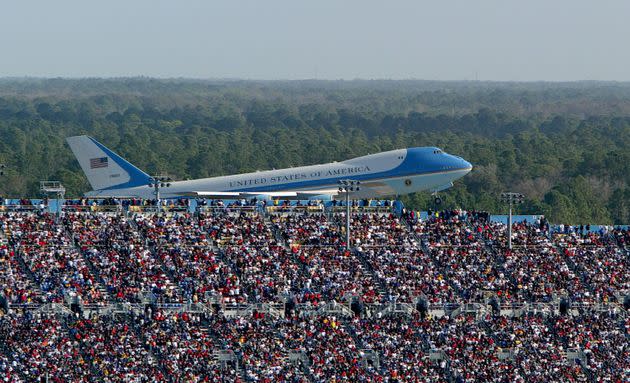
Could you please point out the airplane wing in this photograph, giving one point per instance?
(209, 194)
(301, 194)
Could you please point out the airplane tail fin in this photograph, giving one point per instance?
(103, 168)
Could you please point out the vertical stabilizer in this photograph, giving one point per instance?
(103, 168)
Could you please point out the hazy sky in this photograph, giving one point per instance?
(521, 40)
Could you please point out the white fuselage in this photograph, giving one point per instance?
(382, 174)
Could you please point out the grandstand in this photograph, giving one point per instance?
(234, 291)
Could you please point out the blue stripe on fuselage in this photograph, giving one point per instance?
(332, 182)
(418, 161)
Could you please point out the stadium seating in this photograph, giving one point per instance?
(240, 293)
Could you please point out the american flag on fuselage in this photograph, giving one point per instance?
(96, 163)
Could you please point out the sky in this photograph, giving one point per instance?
(498, 40)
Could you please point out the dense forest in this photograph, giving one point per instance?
(566, 146)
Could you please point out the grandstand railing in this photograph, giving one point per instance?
(295, 209)
(183, 307)
(98, 208)
(575, 354)
(52, 308)
(296, 355)
(326, 308)
(228, 209)
(377, 309)
(478, 309)
(225, 356)
(362, 209)
(240, 309)
(92, 208)
(506, 354)
(24, 208)
(277, 309)
(154, 209)
(437, 354)
(370, 358)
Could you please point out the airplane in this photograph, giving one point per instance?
(390, 173)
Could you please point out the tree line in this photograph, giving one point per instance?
(570, 159)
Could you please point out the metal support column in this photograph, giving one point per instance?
(347, 187)
(511, 198)
(348, 220)
(157, 183)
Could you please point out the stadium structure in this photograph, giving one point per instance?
(213, 291)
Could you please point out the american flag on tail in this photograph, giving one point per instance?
(96, 163)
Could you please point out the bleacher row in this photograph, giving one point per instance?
(242, 294)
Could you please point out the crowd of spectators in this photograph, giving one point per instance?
(266, 273)
(185, 245)
(456, 242)
(606, 270)
(408, 274)
(544, 265)
(335, 274)
(121, 257)
(185, 345)
(160, 346)
(540, 346)
(377, 230)
(39, 346)
(263, 346)
(15, 286)
(240, 256)
(115, 350)
(238, 229)
(307, 229)
(47, 251)
(402, 348)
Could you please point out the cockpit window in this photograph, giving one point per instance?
(437, 151)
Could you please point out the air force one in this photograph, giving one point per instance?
(390, 173)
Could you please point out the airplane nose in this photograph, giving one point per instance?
(461, 163)
(465, 165)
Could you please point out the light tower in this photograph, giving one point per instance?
(348, 186)
(511, 199)
(157, 183)
(2, 168)
(54, 188)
